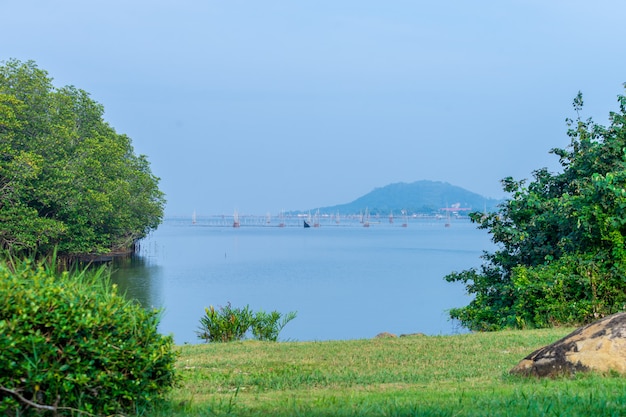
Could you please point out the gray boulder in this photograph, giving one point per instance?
(599, 346)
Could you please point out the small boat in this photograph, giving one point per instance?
(308, 221)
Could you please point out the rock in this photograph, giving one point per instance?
(599, 346)
(385, 335)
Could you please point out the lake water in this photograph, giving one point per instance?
(344, 281)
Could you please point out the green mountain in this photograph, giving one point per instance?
(417, 197)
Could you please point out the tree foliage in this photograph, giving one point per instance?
(561, 257)
(67, 179)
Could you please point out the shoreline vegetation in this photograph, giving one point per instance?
(69, 182)
(108, 256)
(458, 375)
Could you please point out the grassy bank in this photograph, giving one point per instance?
(462, 375)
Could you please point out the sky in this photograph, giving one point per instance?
(262, 106)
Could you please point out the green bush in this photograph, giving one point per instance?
(573, 290)
(267, 326)
(228, 324)
(69, 342)
(225, 324)
(560, 238)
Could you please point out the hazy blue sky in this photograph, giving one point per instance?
(270, 105)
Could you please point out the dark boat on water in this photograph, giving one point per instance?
(306, 224)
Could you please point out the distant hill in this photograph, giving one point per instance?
(417, 197)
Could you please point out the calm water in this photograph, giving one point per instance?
(345, 282)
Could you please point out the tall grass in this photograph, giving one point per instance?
(461, 375)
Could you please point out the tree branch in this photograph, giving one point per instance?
(27, 401)
(53, 408)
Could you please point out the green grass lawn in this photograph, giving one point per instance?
(461, 375)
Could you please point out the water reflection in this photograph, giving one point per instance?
(139, 278)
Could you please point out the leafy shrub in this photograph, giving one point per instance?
(267, 326)
(225, 324)
(560, 255)
(69, 342)
(573, 290)
(228, 324)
